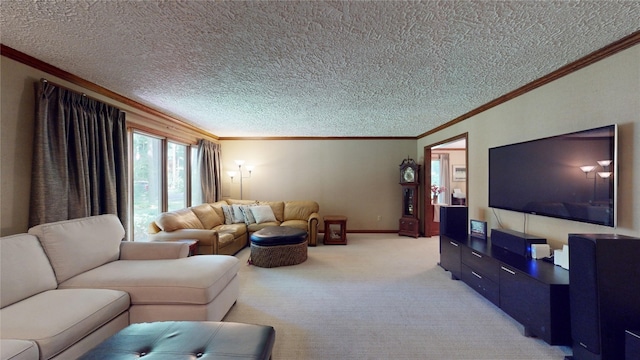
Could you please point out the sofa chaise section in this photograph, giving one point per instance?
(194, 288)
(165, 288)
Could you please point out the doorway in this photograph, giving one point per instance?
(445, 174)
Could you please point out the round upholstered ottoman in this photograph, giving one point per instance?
(276, 246)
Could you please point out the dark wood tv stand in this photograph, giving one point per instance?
(533, 292)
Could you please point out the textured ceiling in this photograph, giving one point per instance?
(313, 68)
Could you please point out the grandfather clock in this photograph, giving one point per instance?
(409, 180)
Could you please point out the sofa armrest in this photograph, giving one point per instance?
(130, 250)
(208, 240)
(313, 221)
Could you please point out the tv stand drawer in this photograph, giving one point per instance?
(481, 284)
(483, 264)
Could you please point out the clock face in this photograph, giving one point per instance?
(409, 175)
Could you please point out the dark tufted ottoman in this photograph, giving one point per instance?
(278, 246)
(188, 340)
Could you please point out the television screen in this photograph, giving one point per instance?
(571, 176)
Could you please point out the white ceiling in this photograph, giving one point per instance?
(313, 68)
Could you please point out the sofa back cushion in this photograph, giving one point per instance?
(78, 245)
(217, 206)
(179, 219)
(24, 269)
(299, 210)
(207, 216)
(239, 202)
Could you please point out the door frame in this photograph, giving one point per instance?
(428, 227)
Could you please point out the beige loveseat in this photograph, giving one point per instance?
(67, 286)
(224, 227)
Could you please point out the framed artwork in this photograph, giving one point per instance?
(459, 173)
(478, 229)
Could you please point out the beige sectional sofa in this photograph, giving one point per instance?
(224, 227)
(67, 286)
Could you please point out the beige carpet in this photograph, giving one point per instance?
(380, 297)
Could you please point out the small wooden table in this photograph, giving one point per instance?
(193, 245)
(335, 230)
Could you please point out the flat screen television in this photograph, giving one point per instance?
(571, 176)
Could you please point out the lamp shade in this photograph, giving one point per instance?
(587, 168)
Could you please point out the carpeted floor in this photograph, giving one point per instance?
(382, 296)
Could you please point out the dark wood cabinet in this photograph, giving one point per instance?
(541, 307)
(533, 292)
(409, 223)
(335, 230)
(450, 256)
(409, 227)
(632, 345)
(481, 273)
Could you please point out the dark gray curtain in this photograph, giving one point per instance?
(79, 157)
(209, 162)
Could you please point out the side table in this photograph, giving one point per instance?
(335, 230)
(193, 245)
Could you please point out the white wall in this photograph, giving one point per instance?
(355, 178)
(604, 93)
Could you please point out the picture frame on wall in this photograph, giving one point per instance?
(459, 172)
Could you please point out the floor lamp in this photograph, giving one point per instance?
(232, 174)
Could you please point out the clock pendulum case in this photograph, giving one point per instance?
(409, 180)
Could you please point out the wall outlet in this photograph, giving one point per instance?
(379, 217)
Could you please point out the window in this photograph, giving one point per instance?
(165, 178)
(435, 171)
(147, 183)
(440, 176)
(176, 176)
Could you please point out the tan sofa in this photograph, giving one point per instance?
(224, 227)
(67, 286)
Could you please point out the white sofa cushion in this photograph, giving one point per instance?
(24, 269)
(97, 238)
(55, 319)
(193, 280)
(11, 349)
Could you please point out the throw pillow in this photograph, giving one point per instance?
(228, 214)
(263, 213)
(248, 215)
(238, 216)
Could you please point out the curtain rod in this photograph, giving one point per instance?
(44, 81)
